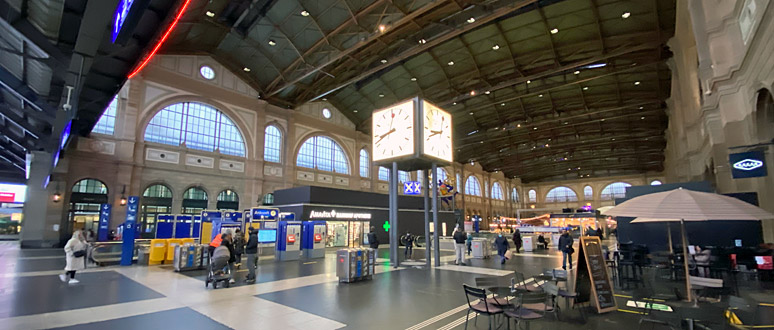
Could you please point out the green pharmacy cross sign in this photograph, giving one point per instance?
(386, 226)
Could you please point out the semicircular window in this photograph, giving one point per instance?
(196, 126)
(228, 200)
(324, 154)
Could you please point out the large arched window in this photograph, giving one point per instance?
(228, 200)
(561, 194)
(272, 144)
(615, 190)
(403, 176)
(324, 154)
(384, 173)
(532, 196)
(472, 186)
(588, 193)
(515, 195)
(156, 199)
(85, 200)
(90, 186)
(365, 164)
(441, 174)
(497, 191)
(197, 126)
(194, 200)
(107, 122)
(655, 183)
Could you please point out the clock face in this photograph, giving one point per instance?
(393, 131)
(436, 133)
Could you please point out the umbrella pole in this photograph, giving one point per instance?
(669, 238)
(689, 294)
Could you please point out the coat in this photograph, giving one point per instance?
(252, 243)
(75, 244)
(517, 239)
(373, 241)
(459, 237)
(565, 243)
(239, 243)
(502, 245)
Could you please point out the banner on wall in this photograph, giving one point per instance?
(104, 222)
(127, 248)
(749, 164)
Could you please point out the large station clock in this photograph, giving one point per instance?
(414, 133)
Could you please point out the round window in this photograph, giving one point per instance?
(326, 113)
(207, 72)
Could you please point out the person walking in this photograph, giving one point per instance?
(373, 241)
(502, 246)
(75, 253)
(517, 240)
(408, 239)
(251, 249)
(459, 246)
(469, 242)
(239, 247)
(565, 245)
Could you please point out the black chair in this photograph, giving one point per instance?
(477, 303)
(491, 282)
(521, 283)
(524, 313)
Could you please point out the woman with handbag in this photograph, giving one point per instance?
(75, 252)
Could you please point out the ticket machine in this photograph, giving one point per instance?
(313, 239)
(288, 240)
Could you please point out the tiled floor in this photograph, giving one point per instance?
(302, 294)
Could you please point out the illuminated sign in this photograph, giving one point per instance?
(12, 193)
(317, 238)
(119, 17)
(267, 235)
(749, 164)
(291, 238)
(412, 188)
(333, 214)
(264, 214)
(387, 226)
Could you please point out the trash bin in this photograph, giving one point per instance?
(143, 256)
(480, 248)
(171, 244)
(158, 249)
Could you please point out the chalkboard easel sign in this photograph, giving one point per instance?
(591, 279)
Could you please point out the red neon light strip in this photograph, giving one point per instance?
(161, 41)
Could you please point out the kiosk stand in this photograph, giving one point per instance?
(313, 239)
(288, 240)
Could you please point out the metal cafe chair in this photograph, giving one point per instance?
(524, 312)
(491, 282)
(521, 283)
(477, 303)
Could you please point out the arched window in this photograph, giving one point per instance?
(268, 199)
(561, 194)
(272, 144)
(324, 154)
(497, 191)
(228, 200)
(384, 173)
(403, 176)
(532, 196)
(458, 182)
(90, 186)
(472, 186)
(486, 189)
(107, 122)
(197, 126)
(194, 200)
(441, 174)
(85, 200)
(156, 199)
(515, 195)
(615, 190)
(588, 193)
(764, 115)
(365, 166)
(655, 183)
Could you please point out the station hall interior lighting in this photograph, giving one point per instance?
(495, 47)
(122, 201)
(161, 41)
(272, 42)
(304, 13)
(554, 31)
(210, 13)
(626, 15)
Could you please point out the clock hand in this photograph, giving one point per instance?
(381, 137)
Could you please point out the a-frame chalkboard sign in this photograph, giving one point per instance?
(591, 278)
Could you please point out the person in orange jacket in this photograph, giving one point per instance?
(214, 244)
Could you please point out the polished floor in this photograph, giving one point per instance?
(302, 294)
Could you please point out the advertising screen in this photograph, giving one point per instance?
(267, 235)
(12, 193)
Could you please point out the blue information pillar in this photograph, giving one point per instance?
(127, 249)
(104, 222)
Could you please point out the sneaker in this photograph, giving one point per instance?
(565, 268)
(73, 281)
(63, 277)
(231, 281)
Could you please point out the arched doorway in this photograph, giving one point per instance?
(155, 200)
(228, 200)
(194, 201)
(85, 200)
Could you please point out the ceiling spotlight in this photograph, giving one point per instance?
(534, 128)
(355, 111)
(381, 95)
(642, 117)
(413, 78)
(272, 42)
(487, 92)
(495, 47)
(576, 72)
(471, 114)
(546, 145)
(642, 108)
(450, 63)
(626, 15)
(210, 14)
(502, 104)
(304, 13)
(541, 95)
(383, 61)
(324, 99)
(613, 139)
(472, 93)
(636, 83)
(566, 123)
(603, 119)
(529, 81)
(585, 88)
(454, 103)
(422, 41)
(518, 125)
(246, 69)
(471, 20)
(554, 31)
(382, 28)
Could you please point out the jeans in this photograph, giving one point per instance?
(565, 256)
(459, 253)
(409, 251)
(231, 270)
(252, 262)
(502, 258)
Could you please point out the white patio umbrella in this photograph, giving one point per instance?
(680, 205)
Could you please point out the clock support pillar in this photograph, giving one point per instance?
(394, 233)
(426, 185)
(436, 247)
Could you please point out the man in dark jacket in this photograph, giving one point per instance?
(517, 240)
(239, 246)
(501, 242)
(251, 249)
(565, 245)
(373, 241)
(408, 239)
(459, 246)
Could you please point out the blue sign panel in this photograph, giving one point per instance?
(104, 222)
(412, 188)
(264, 213)
(748, 164)
(287, 216)
(127, 248)
(122, 12)
(233, 216)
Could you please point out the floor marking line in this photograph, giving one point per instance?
(633, 312)
(458, 321)
(441, 316)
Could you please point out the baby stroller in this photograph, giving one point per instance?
(218, 270)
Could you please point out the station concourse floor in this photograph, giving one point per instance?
(302, 294)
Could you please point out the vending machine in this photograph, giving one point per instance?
(313, 239)
(288, 240)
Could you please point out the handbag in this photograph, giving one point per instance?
(508, 254)
(79, 253)
(571, 250)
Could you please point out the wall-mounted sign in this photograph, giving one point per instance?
(287, 216)
(264, 214)
(104, 222)
(333, 214)
(12, 193)
(412, 188)
(749, 164)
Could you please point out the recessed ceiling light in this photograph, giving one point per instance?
(613, 139)
(546, 145)
(246, 69)
(603, 119)
(450, 63)
(413, 78)
(495, 47)
(304, 13)
(518, 125)
(529, 81)
(482, 142)
(576, 72)
(355, 111)
(642, 108)
(585, 88)
(454, 103)
(381, 95)
(422, 41)
(554, 31)
(382, 28)
(324, 99)
(566, 123)
(272, 42)
(383, 61)
(471, 20)
(636, 83)
(471, 113)
(626, 15)
(541, 95)
(535, 129)
(487, 92)
(210, 14)
(502, 104)
(642, 117)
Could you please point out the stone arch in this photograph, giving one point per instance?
(353, 170)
